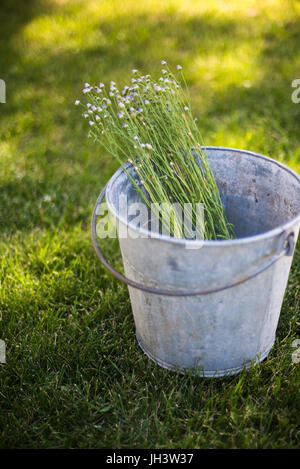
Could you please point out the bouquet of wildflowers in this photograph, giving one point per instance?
(149, 123)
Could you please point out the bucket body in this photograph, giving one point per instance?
(218, 333)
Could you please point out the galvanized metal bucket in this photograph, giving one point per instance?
(212, 307)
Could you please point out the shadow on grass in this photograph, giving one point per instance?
(14, 16)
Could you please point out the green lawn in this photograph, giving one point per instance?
(75, 377)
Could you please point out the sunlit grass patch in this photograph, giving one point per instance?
(75, 376)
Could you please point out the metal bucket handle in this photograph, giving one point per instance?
(287, 250)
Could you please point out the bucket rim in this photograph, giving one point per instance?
(198, 243)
